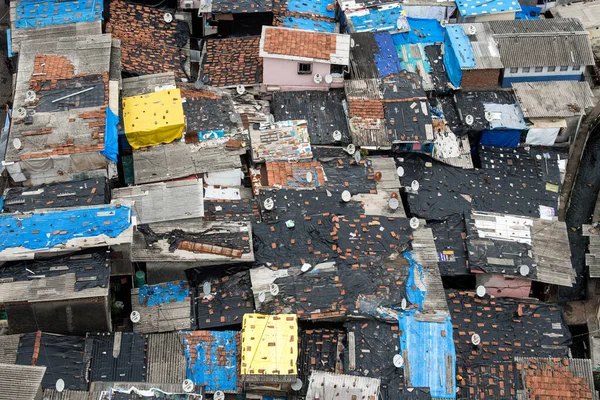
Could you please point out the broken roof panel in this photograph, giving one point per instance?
(213, 359)
(295, 44)
(163, 308)
(232, 61)
(284, 140)
(61, 126)
(553, 99)
(323, 111)
(20, 382)
(502, 244)
(149, 45)
(164, 201)
(88, 192)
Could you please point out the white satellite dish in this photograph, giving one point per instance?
(188, 386)
(318, 78)
(414, 185)
(21, 112)
(352, 44)
(309, 177)
(17, 143)
(400, 171)
(306, 267)
(350, 149)
(346, 196)
(274, 289)
(357, 156)
(469, 119)
(268, 204)
(297, 385)
(398, 361)
(135, 317)
(337, 136)
(393, 203)
(240, 89)
(219, 395)
(414, 223)
(481, 291)
(206, 287)
(328, 79)
(524, 270)
(475, 339)
(403, 304)
(261, 297)
(234, 117)
(489, 117)
(168, 17)
(30, 96)
(472, 30)
(60, 385)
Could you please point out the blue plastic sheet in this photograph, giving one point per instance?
(170, 292)
(386, 59)
(428, 344)
(528, 12)
(461, 45)
(501, 138)
(479, 7)
(411, 63)
(414, 293)
(308, 24)
(9, 43)
(425, 31)
(207, 369)
(35, 14)
(376, 20)
(213, 134)
(48, 229)
(452, 63)
(323, 8)
(111, 136)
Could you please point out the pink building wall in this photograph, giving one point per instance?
(284, 74)
(499, 286)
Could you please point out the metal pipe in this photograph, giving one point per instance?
(74, 94)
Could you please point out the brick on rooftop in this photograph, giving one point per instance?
(233, 61)
(299, 43)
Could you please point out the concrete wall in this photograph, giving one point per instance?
(284, 73)
(69, 317)
(557, 75)
(499, 286)
(480, 79)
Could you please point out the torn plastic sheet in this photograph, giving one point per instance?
(169, 292)
(415, 287)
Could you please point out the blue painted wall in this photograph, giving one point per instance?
(507, 81)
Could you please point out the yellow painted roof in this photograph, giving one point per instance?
(269, 344)
(153, 118)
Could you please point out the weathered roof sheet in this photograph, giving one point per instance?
(232, 61)
(8, 348)
(586, 12)
(554, 99)
(144, 84)
(149, 45)
(208, 113)
(295, 44)
(164, 201)
(51, 32)
(20, 382)
(362, 65)
(166, 359)
(323, 111)
(51, 394)
(180, 160)
(524, 27)
(54, 69)
(324, 384)
(241, 6)
(545, 50)
(469, 8)
(159, 311)
(485, 50)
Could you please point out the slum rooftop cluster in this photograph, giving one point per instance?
(273, 197)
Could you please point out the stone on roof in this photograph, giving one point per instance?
(232, 61)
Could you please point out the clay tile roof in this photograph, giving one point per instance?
(232, 61)
(299, 44)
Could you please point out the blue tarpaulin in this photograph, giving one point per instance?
(528, 12)
(170, 292)
(501, 138)
(308, 24)
(479, 7)
(386, 59)
(430, 348)
(35, 14)
(111, 136)
(48, 229)
(425, 31)
(452, 63)
(415, 289)
(9, 43)
(376, 19)
(212, 361)
(461, 45)
(323, 8)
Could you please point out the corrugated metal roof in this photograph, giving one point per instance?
(485, 51)
(327, 385)
(166, 317)
(146, 83)
(166, 359)
(18, 382)
(9, 344)
(545, 50)
(70, 395)
(553, 99)
(530, 26)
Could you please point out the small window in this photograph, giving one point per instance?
(539, 69)
(576, 67)
(514, 70)
(551, 69)
(525, 70)
(564, 67)
(304, 68)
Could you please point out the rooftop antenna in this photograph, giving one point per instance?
(206, 287)
(357, 156)
(403, 304)
(309, 177)
(393, 203)
(318, 78)
(306, 267)
(17, 143)
(261, 297)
